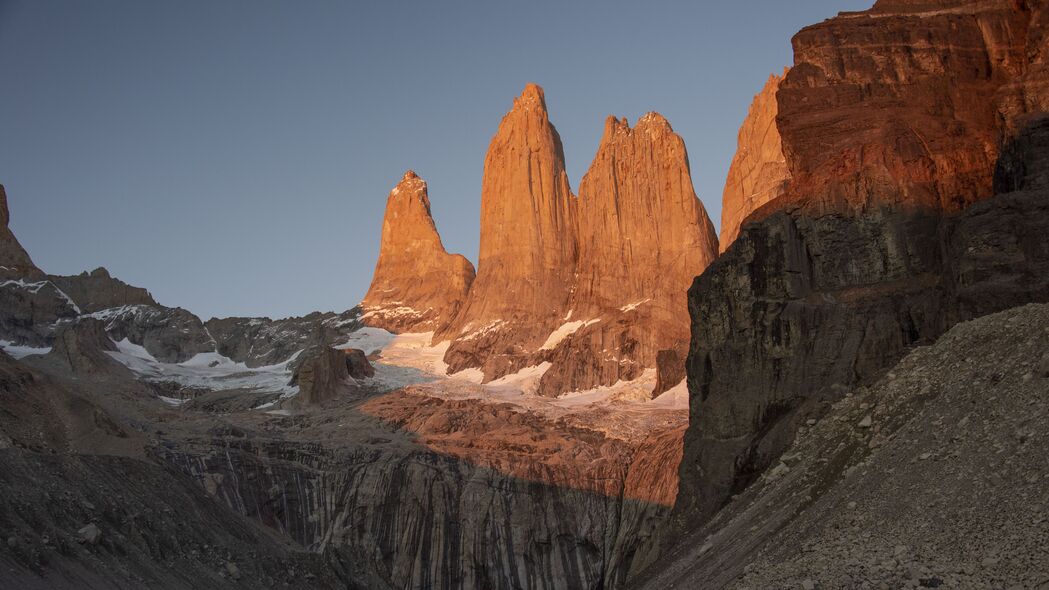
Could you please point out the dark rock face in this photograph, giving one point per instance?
(670, 368)
(82, 346)
(98, 290)
(801, 308)
(170, 334)
(324, 374)
(357, 364)
(259, 342)
(30, 311)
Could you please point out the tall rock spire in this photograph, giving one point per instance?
(643, 236)
(758, 173)
(14, 260)
(527, 250)
(417, 285)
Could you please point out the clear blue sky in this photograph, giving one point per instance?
(234, 157)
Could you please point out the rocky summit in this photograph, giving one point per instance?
(587, 289)
(848, 388)
(417, 285)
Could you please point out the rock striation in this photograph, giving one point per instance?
(417, 285)
(758, 173)
(590, 287)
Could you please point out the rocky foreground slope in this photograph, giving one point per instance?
(934, 477)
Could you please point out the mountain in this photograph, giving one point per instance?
(915, 200)
(526, 263)
(758, 173)
(417, 285)
(588, 290)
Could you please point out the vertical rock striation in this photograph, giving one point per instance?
(417, 286)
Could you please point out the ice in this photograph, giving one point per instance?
(566, 330)
(19, 352)
(208, 370)
(525, 381)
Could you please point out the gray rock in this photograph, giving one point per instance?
(90, 534)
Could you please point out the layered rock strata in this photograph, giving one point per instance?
(417, 285)
(801, 309)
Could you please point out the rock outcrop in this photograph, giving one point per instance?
(259, 342)
(829, 291)
(758, 173)
(325, 373)
(82, 347)
(417, 285)
(906, 105)
(14, 260)
(527, 256)
(97, 290)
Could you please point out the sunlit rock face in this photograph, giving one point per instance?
(758, 173)
(417, 285)
(913, 137)
(592, 285)
(527, 256)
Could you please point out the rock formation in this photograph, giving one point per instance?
(911, 482)
(593, 286)
(906, 105)
(99, 290)
(417, 285)
(643, 236)
(527, 254)
(325, 373)
(14, 260)
(259, 342)
(82, 347)
(893, 126)
(758, 173)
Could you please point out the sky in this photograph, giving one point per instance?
(234, 156)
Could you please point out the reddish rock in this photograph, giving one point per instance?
(417, 285)
(643, 237)
(14, 260)
(758, 173)
(905, 106)
(527, 253)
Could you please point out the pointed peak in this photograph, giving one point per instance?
(653, 120)
(532, 97)
(410, 182)
(5, 215)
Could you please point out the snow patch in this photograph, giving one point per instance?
(17, 351)
(635, 305)
(566, 330)
(525, 381)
